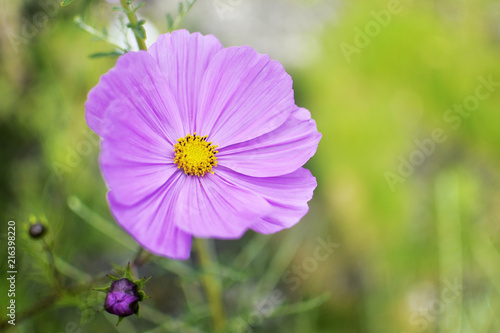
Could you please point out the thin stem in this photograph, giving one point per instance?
(185, 9)
(94, 32)
(211, 284)
(52, 263)
(133, 23)
(141, 257)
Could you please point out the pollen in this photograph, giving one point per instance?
(195, 155)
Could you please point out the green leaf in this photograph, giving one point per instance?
(139, 32)
(104, 290)
(114, 278)
(120, 9)
(105, 54)
(170, 22)
(181, 8)
(289, 309)
(128, 273)
(66, 2)
(138, 6)
(140, 283)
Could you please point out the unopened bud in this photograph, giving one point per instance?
(37, 230)
(122, 298)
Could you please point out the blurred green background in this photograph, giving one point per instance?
(414, 216)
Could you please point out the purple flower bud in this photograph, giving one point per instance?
(122, 298)
(37, 230)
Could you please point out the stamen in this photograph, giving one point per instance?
(195, 155)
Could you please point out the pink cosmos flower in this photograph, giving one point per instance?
(200, 140)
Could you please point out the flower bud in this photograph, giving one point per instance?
(124, 295)
(122, 298)
(37, 230)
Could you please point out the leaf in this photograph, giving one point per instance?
(138, 6)
(128, 273)
(190, 4)
(105, 54)
(140, 283)
(139, 32)
(66, 2)
(120, 9)
(104, 290)
(288, 309)
(170, 22)
(113, 278)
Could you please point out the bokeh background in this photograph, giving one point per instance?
(407, 96)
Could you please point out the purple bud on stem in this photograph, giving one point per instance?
(122, 298)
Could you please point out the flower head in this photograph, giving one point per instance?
(201, 140)
(122, 298)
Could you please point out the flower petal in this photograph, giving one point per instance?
(151, 221)
(135, 81)
(279, 152)
(244, 94)
(183, 58)
(212, 207)
(135, 160)
(288, 195)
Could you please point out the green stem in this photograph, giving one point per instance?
(185, 9)
(141, 257)
(94, 32)
(52, 264)
(211, 284)
(133, 23)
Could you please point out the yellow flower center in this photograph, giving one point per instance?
(195, 155)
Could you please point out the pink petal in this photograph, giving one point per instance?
(151, 221)
(183, 58)
(135, 81)
(213, 207)
(244, 94)
(288, 195)
(135, 160)
(279, 152)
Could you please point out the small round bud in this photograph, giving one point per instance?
(122, 298)
(37, 230)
